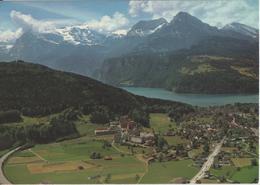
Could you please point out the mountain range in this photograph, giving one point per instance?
(84, 51)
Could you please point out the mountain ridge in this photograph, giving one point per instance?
(81, 50)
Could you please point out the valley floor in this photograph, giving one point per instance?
(70, 162)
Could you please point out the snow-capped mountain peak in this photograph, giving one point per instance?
(144, 28)
(81, 34)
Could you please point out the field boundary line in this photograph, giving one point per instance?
(117, 149)
(146, 168)
(40, 157)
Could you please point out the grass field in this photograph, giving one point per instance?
(166, 172)
(76, 149)
(32, 120)
(246, 174)
(195, 152)
(226, 171)
(136, 150)
(160, 122)
(241, 162)
(202, 68)
(175, 140)
(229, 149)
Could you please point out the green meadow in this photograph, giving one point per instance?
(166, 172)
(33, 166)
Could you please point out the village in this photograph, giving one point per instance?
(200, 137)
(127, 131)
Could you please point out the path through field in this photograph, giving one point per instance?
(206, 166)
(119, 150)
(40, 157)
(146, 162)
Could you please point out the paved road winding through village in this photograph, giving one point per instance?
(206, 166)
(3, 179)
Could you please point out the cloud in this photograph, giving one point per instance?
(109, 23)
(10, 36)
(120, 32)
(27, 22)
(215, 13)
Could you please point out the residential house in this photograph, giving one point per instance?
(137, 140)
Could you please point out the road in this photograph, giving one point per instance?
(3, 179)
(206, 166)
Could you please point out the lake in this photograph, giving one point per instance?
(193, 99)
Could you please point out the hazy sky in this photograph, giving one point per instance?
(112, 15)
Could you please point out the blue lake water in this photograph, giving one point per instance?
(193, 99)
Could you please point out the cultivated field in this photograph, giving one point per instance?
(70, 162)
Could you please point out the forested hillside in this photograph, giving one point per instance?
(228, 63)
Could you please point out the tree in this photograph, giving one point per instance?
(160, 158)
(177, 113)
(254, 162)
(100, 116)
(206, 148)
(160, 142)
(93, 155)
(141, 116)
(106, 144)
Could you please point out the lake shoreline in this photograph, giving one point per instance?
(202, 100)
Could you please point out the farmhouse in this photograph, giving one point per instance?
(146, 135)
(137, 140)
(104, 131)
